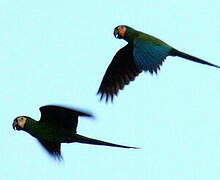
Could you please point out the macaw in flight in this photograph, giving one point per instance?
(57, 125)
(142, 53)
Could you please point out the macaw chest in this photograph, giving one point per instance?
(50, 133)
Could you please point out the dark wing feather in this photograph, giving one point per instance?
(52, 148)
(120, 72)
(61, 117)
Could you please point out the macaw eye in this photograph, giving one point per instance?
(20, 119)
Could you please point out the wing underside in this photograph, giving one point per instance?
(119, 73)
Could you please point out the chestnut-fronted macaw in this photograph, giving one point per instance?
(142, 53)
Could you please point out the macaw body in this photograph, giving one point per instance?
(57, 125)
(142, 53)
(46, 132)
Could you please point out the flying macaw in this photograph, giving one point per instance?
(142, 53)
(57, 125)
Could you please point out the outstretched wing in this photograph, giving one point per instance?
(52, 148)
(61, 117)
(120, 72)
(149, 56)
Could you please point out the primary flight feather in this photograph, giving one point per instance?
(142, 53)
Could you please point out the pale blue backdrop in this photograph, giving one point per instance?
(57, 52)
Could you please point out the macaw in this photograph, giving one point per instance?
(57, 125)
(143, 52)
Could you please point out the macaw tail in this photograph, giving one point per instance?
(82, 139)
(175, 52)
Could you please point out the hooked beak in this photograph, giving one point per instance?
(116, 33)
(14, 125)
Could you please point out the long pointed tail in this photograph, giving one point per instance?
(82, 139)
(175, 52)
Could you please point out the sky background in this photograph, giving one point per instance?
(56, 52)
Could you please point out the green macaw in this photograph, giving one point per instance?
(57, 125)
(142, 53)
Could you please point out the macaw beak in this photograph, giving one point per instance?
(15, 124)
(116, 33)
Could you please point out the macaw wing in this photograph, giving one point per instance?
(149, 56)
(61, 117)
(120, 72)
(52, 148)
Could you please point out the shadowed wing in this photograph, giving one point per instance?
(52, 148)
(120, 72)
(61, 117)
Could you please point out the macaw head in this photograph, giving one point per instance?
(19, 122)
(121, 30)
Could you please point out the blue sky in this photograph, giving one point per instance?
(56, 52)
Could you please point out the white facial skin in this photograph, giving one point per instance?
(21, 121)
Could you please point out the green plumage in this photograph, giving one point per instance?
(47, 132)
(133, 35)
(57, 125)
(143, 52)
